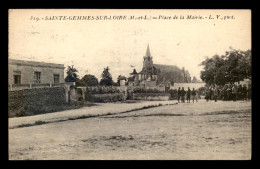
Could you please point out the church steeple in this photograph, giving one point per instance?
(148, 53)
(148, 60)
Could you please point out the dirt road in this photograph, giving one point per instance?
(204, 130)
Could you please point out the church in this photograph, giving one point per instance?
(153, 75)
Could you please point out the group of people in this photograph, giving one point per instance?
(228, 92)
(225, 93)
(190, 94)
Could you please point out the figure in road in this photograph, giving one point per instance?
(193, 94)
(179, 94)
(183, 92)
(188, 95)
(244, 92)
(234, 92)
(207, 94)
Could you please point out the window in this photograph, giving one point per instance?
(37, 77)
(17, 77)
(56, 78)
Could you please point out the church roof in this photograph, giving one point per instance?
(131, 79)
(167, 68)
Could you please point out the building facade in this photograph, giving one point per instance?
(29, 72)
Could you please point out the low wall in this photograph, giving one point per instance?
(36, 101)
(151, 96)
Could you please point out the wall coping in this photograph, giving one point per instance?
(35, 64)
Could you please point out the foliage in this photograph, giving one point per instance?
(106, 78)
(173, 94)
(71, 74)
(150, 94)
(201, 91)
(103, 98)
(103, 90)
(142, 90)
(232, 67)
(88, 80)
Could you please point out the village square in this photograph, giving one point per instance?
(136, 99)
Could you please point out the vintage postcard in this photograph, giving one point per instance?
(129, 84)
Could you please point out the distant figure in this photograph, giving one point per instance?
(244, 91)
(179, 94)
(224, 93)
(207, 94)
(239, 92)
(229, 92)
(193, 94)
(183, 92)
(188, 95)
(211, 93)
(249, 92)
(234, 92)
(215, 93)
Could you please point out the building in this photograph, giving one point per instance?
(148, 75)
(153, 75)
(24, 73)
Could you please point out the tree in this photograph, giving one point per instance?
(89, 80)
(106, 78)
(71, 74)
(232, 67)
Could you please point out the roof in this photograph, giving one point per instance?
(35, 64)
(167, 68)
(131, 79)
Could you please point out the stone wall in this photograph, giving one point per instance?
(36, 101)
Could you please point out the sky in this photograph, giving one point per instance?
(91, 45)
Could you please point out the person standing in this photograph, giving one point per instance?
(225, 93)
(244, 91)
(188, 95)
(229, 92)
(215, 93)
(183, 92)
(207, 94)
(179, 94)
(249, 92)
(239, 92)
(234, 92)
(193, 94)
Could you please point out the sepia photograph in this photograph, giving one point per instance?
(129, 84)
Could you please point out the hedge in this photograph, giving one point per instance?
(102, 90)
(142, 90)
(103, 98)
(150, 94)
